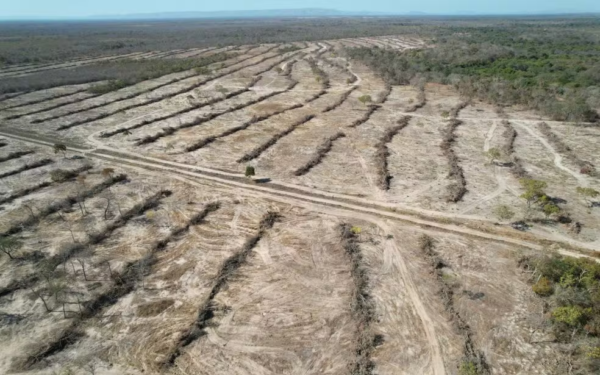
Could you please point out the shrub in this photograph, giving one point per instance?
(593, 353)
(550, 209)
(468, 368)
(543, 287)
(364, 99)
(571, 315)
(60, 175)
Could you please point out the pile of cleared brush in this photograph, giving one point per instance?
(322, 151)
(420, 103)
(384, 95)
(268, 144)
(362, 305)
(371, 109)
(382, 153)
(226, 271)
(457, 189)
(340, 101)
(473, 361)
(454, 112)
(510, 135)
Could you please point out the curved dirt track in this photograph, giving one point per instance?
(396, 261)
(557, 157)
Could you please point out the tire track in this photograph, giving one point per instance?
(398, 262)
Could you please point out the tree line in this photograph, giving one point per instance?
(550, 67)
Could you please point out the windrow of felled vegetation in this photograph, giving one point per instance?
(114, 74)
(550, 67)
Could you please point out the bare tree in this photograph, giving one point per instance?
(8, 245)
(41, 297)
(69, 225)
(80, 187)
(29, 206)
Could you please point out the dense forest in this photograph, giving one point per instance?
(37, 42)
(552, 66)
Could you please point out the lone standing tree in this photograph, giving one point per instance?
(534, 190)
(59, 147)
(250, 172)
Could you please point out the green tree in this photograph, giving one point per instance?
(250, 171)
(468, 368)
(534, 189)
(59, 147)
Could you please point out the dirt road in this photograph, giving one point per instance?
(301, 196)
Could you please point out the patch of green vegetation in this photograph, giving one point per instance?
(468, 368)
(571, 289)
(554, 68)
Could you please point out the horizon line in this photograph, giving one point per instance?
(349, 14)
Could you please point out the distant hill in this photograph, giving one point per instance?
(272, 13)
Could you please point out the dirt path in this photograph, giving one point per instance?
(557, 157)
(502, 184)
(363, 164)
(490, 136)
(396, 261)
(304, 196)
(327, 210)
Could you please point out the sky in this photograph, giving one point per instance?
(82, 8)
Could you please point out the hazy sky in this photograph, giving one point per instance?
(77, 8)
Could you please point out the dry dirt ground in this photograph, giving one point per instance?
(119, 275)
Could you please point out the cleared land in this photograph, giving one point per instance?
(142, 248)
